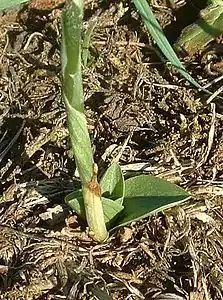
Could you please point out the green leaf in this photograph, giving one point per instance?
(111, 208)
(5, 4)
(72, 88)
(100, 294)
(162, 42)
(146, 195)
(112, 183)
(76, 202)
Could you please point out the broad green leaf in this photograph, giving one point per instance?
(111, 208)
(72, 87)
(162, 42)
(76, 202)
(5, 4)
(100, 294)
(209, 26)
(112, 183)
(145, 195)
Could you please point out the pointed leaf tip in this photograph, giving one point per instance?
(146, 195)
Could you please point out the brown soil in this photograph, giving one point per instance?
(135, 104)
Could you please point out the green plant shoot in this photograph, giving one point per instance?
(77, 125)
(114, 202)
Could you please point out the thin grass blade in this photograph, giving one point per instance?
(157, 34)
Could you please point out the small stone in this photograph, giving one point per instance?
(72, 222)
(53, 215)
(125, 234)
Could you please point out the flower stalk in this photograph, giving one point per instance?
(72, 90)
